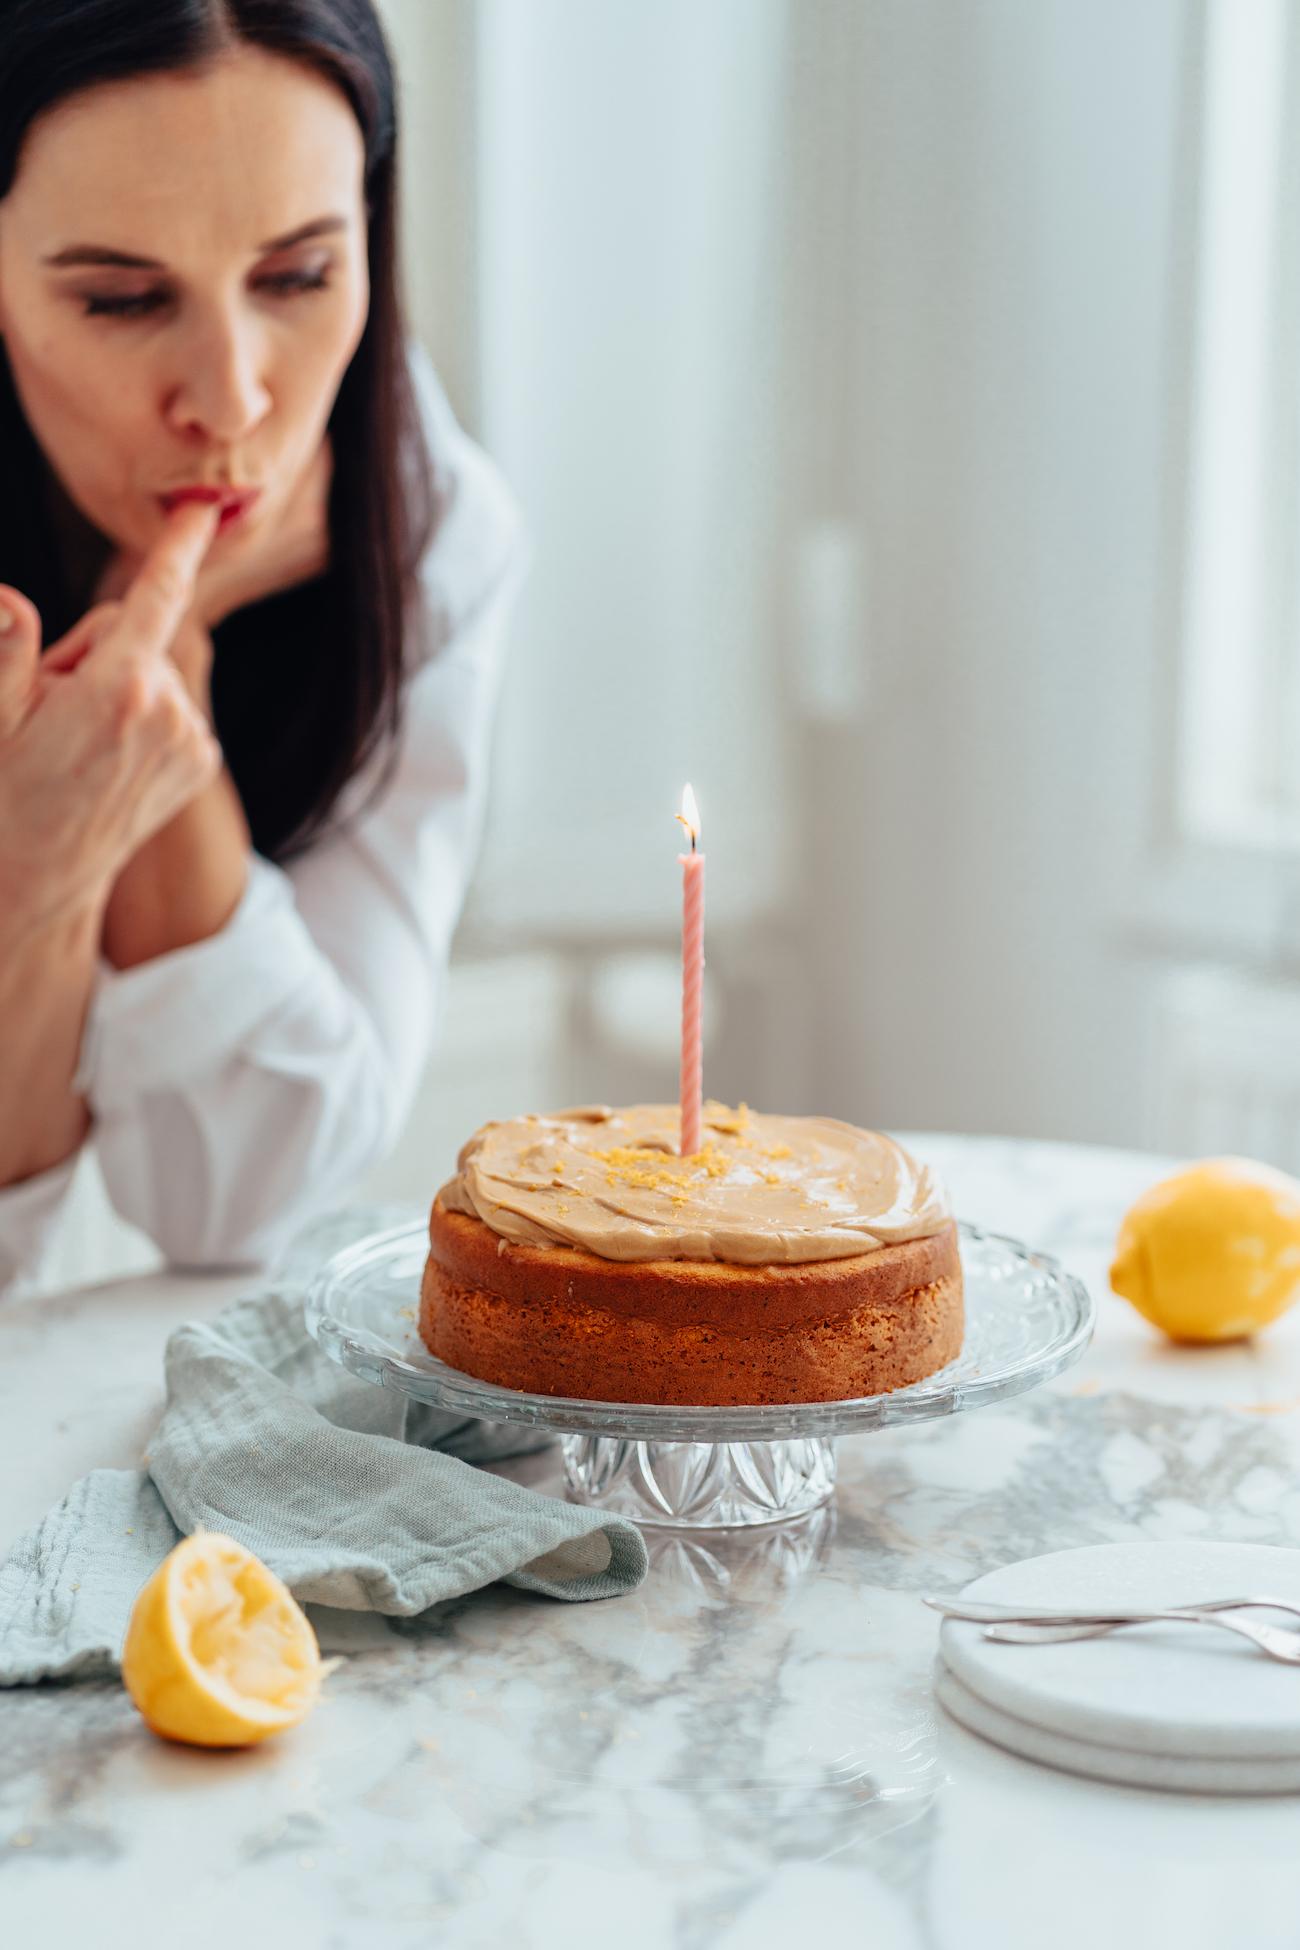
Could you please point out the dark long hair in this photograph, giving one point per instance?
(307, 686)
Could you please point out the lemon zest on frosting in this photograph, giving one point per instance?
(715, 1162)
(641, 1199)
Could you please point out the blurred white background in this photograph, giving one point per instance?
(903, 395)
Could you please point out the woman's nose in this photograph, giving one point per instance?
(221, 392)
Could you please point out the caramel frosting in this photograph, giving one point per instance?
(760, 1191)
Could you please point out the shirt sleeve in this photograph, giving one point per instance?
(242, 1084)
(29, 1220)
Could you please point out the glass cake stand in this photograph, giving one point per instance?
(706, 1468)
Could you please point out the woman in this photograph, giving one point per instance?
(241, 785)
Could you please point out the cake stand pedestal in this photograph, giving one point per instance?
(703, 1468)
(700, 1485)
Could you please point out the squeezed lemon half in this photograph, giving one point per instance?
(217, 1652)
(1212, 1253)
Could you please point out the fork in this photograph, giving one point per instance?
(1275, 1640)
(981, 1614)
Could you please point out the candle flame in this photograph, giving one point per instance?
(689, 816)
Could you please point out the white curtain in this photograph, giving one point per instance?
(629, 263)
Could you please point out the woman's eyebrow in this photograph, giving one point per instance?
(83, 254)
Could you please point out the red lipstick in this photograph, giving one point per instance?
(233, 502)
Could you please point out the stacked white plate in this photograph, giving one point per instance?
(1161, 1705)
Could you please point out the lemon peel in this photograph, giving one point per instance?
(218, 1653)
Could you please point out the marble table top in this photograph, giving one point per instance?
(743, 1750)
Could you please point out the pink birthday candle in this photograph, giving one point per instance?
(692, 1071)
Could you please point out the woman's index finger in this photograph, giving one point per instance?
(163, 588)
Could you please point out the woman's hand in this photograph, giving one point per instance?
(248, 567)
(101, 742)
(184, 884)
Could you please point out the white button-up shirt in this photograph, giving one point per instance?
(239, 1085)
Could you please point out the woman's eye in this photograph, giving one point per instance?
(99, 305)
(291, 281)
(285, 284)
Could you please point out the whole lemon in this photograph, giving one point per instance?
(1212, 1253)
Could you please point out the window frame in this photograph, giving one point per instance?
(1231, 894)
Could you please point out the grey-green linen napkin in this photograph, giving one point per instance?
(356, 1496)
